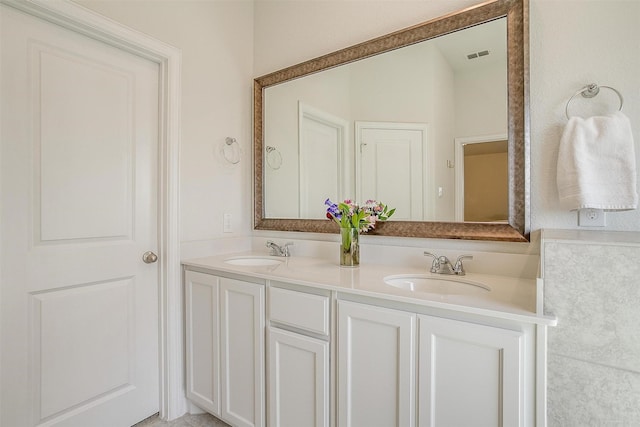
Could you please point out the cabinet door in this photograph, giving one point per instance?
(376, 366)
(202, 340)
(298, 387)
(242, 333)
(469, 375)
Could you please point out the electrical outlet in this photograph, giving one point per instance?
(591, 218)
(226, 223)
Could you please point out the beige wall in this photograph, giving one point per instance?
(486, 187)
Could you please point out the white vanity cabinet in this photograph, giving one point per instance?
(268, 350)
(376, 366)
(225, 347)
(467, 374)
(298, 358)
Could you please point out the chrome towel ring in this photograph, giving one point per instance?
(589, 91)
(231, 150)
(274, 158)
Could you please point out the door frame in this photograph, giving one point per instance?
(65, 13)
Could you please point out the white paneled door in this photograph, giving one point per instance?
(79, 306)
(393, 165)
(323, 146)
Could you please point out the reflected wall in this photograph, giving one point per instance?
(431, 83)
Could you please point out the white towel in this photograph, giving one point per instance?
(597, 164)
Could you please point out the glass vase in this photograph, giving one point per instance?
(350, 247)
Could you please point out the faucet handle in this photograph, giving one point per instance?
(458, 268)
(285, 249)
(273, 247)
(278, 250)
(435, 265)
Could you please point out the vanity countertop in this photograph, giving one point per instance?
(510, 298)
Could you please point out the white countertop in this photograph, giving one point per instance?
(510, 298)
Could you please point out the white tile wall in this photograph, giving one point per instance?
(592, 284)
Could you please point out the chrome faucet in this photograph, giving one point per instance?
(442, 265)
(278, 250)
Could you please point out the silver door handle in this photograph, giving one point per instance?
(149, 257)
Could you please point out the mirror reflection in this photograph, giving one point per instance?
(482, 179)
(423, 128)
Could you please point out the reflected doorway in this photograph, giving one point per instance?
(482, 179)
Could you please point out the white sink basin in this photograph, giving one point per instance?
(446, 285)
(254, 261)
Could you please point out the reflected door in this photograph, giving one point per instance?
(79, 305)
(323, 164)
(393, 168)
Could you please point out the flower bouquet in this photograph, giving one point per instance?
(354, 219)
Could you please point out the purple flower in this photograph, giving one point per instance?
(350, 215)
(332, 210)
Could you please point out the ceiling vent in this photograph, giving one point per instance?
(475, 55)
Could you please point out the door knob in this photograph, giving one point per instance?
(149, 257)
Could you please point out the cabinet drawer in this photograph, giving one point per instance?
(299, 309)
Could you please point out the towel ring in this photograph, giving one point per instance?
(274, 158)
(231, 150)
(589, 91)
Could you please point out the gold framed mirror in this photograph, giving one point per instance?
(516, 226)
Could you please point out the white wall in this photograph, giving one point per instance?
(574, 43)
(216, 39)
(443, 87)
(594, 352)
(327, 92)
(481, 101)
(289, 32)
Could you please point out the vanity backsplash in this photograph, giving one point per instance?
(410, 253)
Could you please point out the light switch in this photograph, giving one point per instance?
(226, 223)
